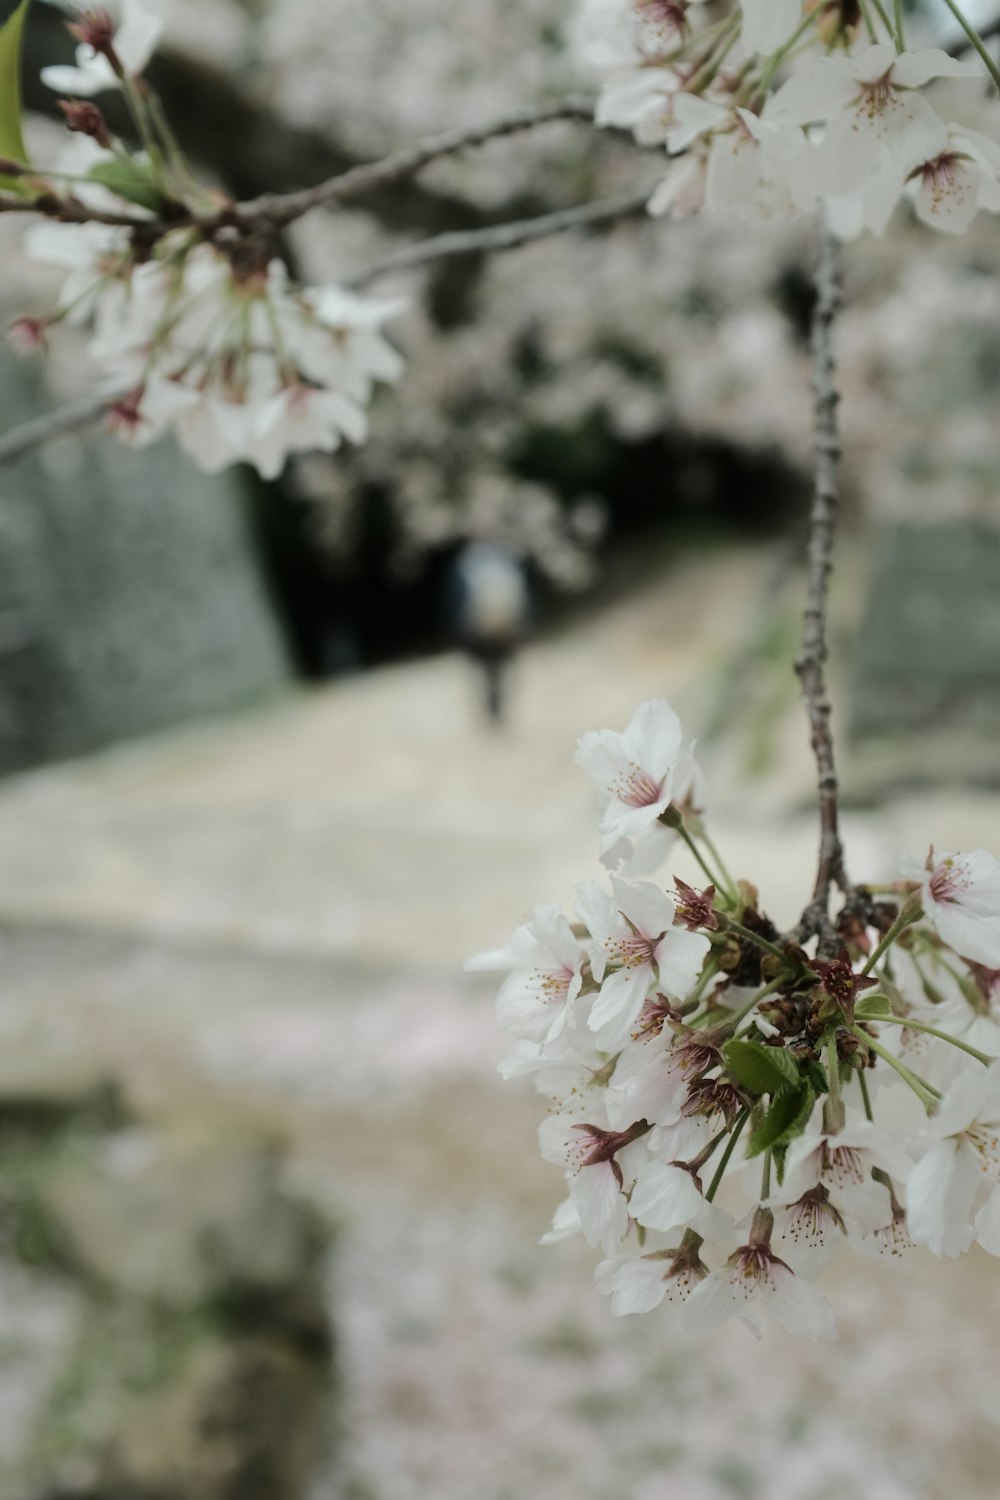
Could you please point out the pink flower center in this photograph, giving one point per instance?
(894, 1237)
(985, 1141)
(660, 21)
(877, 97)
(632, 951)
(812, 1219)
(948, 881)
(842, 1166)
(636, 788)
(751, 1268)
(552, 985)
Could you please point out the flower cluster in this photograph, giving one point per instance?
(685, 1044)
(196, 329)
(783, 106)
(240, 363)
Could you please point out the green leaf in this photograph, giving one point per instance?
(130, 179)
(763, 1070)
(787, 1117)
(873, 1008)
(11, 139)
(814, 1074)
(778, 1154)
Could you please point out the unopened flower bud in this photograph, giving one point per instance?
(839, 21)
(96, 28)
(27, 335)
(124, 417)
(85, 119)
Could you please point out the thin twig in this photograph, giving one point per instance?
(71, 210)
(500, 237)
(271, 211)
(960, 44)
(811, 663)
(281, 208)
(70, 418)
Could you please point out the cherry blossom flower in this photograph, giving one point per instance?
(633, 939)
(652, 1079)
(602, 1166)
(240, 364)
(808, 1231)
(963, 1160)
(961, 898)
(756, 166)
(640, 100)
(638, 1283)
(950, 188)
(27, 335)
(843, 1165)
(668, 1196)
(643, 854)
(636, 770)
(565, 1224)
(133, 44)
(98, 260)
(947, 190)
(755, 1278)
(545, 979)
(888, 1242)
(874, 110)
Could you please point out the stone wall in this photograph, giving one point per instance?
(926, 661)
(131, 594)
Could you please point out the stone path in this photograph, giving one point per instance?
(274, 909)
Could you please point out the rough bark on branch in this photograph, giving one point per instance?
(281, 208)
(811, 662)
(506, 236)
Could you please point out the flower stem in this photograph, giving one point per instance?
(765, 1178)
(908, 914)
(865, 1096)
(944, 1036)
(900, 28)
(706, 976)
(752, 1004)
(872, 35)
(833, 1108)
(730, 883)
(714, 879)
(140, 118)
(880, 11)
(720, 1170)
(779, 57)
(717, 55)
(755, 938)
(927, 1095)
(707, 1152)
(976, 41)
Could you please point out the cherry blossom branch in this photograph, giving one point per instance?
(975, 40)
(71, 210)
(811, 662)
(281, 208)
(22, 440)
(271, 211)
(500, 237)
